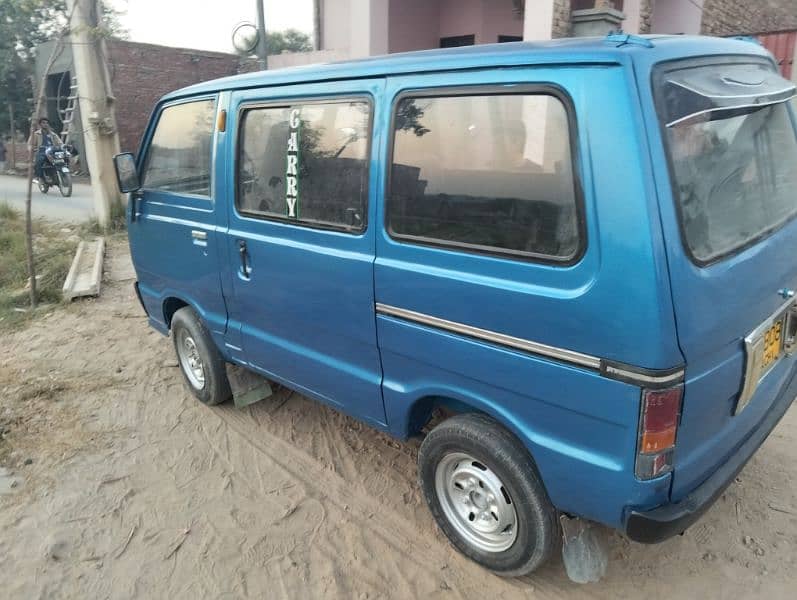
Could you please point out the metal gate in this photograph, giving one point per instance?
(781, 45)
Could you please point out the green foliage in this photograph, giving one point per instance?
(7, 212)
(23, 25)
(290, 40)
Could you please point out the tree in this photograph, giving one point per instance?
(23, 25)
(290, 40)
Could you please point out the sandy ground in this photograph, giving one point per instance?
(135, 490)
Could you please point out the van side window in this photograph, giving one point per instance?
(485, 173)
(179, 155)
(306, 163)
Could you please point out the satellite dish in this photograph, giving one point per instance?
(245, 38)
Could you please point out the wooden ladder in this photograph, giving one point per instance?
(68, 113)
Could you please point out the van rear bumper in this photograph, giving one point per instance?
(658, 524)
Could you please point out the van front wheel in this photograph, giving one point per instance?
(486, 495)
(200, 362)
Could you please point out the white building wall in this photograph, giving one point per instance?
(538, 20)
(336, 21)
(632, 11)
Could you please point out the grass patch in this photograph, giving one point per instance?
(8, 213)
(92, 226)
(53, 252)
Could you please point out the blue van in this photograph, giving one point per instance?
(569, 265)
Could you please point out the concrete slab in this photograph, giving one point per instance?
(247, 387)
(85, 274)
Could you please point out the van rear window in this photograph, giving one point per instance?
(488, 173)
(305, 163)
(733, 153)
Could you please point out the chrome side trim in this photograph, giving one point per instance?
(584, 360)
(663, 380)
(608, 369)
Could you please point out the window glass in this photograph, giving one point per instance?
(487, 172)
(733, 160)
(306, 162)
(179, 155)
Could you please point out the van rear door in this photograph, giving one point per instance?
(729, 136)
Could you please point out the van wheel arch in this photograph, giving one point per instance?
(170, 306)
(428, 411)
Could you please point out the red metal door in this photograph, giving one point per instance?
(781, 45)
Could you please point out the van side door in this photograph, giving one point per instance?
(301, 239)
(173, 218)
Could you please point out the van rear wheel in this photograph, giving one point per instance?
(486, 495)
(200, 362)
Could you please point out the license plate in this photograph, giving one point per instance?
(773, 344)
(763, 347)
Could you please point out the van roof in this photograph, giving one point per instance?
(613, 49)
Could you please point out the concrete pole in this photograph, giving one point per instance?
(13, 125)
(262, 46)
(318, 33)
(97, 110)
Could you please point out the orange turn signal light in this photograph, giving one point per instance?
(222, 121)
(655, 441)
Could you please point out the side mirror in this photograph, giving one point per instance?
(126, 174)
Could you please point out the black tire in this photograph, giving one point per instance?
(215, 387)
(496, 450)
(65, 184)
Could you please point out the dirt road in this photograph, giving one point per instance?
(134, 490)
(52, 206)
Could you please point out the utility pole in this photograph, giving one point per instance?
(262, 46)
(318, 35)
(97, 110)
(13, 125)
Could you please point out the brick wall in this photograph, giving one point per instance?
(142, 73)
(740, 17)
(561, 19)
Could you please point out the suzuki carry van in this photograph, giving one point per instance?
(569, 265)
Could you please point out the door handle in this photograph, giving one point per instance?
(199, 235)
(244, 254)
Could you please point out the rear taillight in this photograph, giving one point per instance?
(658, 424)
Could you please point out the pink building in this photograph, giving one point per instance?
(354, 28)
(357, 28)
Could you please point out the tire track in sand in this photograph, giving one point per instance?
(394, 530)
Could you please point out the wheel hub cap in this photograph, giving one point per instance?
(190, 360)
(476, 502)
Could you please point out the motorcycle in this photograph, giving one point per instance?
(55, 171)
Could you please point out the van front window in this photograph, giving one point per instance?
(733, 152)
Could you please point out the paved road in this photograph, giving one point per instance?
(75, 209)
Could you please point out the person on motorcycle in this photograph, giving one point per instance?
(42, 139)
